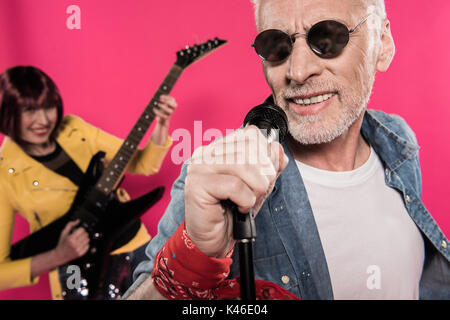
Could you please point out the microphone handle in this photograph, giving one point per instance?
(244, 232)
(247, 273)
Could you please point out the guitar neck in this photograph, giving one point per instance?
(114, 172)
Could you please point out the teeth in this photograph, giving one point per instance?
(313, 100)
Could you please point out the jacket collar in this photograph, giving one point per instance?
(379, 131)
(13, 157)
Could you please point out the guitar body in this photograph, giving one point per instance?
(104, 217)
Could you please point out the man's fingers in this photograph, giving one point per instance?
(278, 157)
(223, 187)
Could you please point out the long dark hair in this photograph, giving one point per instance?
(24, 87)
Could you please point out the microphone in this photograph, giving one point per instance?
(270, 119)
(272, 122)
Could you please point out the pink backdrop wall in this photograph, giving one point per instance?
(109, 69)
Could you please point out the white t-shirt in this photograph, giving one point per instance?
(372, 247)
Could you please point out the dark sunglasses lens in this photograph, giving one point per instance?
(273, 45)
(328, 38)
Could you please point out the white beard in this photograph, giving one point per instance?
(323, 127)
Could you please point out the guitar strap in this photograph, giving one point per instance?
(59, 162)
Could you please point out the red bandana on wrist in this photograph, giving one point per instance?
(182, 272)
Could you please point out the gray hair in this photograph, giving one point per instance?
(379, 7)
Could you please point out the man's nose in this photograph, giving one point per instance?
(303, 63)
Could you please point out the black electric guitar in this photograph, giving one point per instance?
(96, 204)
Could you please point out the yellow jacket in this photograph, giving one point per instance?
(41, 196)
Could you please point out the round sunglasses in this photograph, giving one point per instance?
(326, 39)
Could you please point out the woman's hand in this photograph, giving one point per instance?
(71, 244)
(166, 106)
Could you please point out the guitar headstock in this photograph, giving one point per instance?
(192, 54)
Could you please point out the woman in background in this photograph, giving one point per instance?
(42, 161)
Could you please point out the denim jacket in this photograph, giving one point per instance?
(288, 250)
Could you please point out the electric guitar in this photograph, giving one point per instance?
(96, 204)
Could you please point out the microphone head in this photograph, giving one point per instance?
(269, 118)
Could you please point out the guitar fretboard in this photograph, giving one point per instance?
(113, 173)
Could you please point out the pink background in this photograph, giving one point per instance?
(109, 70)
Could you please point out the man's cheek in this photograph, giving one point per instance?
(268, 75)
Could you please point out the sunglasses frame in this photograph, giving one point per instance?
(292, 39)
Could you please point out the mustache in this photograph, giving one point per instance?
(310, 87)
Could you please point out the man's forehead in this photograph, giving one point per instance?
(296, 15)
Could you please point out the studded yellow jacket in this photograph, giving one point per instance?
(41, 196)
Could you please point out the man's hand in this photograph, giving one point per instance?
(242, 167)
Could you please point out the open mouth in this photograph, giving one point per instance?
(312, 99)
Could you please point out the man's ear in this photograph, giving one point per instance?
(387, 50)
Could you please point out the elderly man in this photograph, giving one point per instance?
(340, 214)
